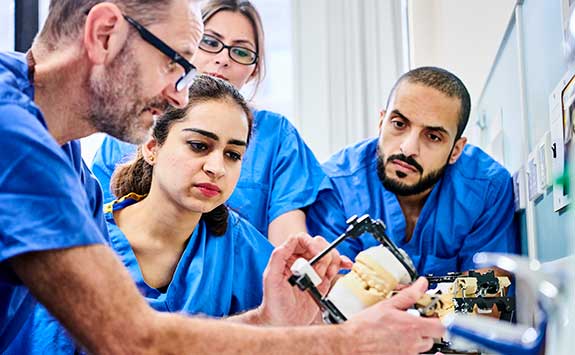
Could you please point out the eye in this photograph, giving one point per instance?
(397, 123)
(172, 66)
(198, 147)
(240, 52)
(234, 156)
(434, 137)
(209, 42)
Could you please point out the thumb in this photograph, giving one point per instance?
(409, 295)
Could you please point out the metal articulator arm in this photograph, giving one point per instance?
(305, 277)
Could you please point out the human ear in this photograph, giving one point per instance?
(457, 150)
(105, 33)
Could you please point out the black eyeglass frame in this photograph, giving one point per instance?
(229, 48)
(189, 69)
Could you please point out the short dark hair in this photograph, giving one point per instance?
(66, 17)
(136, 175)
(443, 81)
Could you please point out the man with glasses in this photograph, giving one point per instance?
(96, 66)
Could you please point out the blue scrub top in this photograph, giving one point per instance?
(279, 171)
(48, 197)
(469, 210)
(216, 276)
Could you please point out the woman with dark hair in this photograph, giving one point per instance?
(184, 248)
(280, 175)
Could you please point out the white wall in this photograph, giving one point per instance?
(347, 54)
(461, 36)
(7, 26)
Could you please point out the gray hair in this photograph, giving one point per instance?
(67, 17)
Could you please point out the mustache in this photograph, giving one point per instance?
(159, 104)
(405, 159)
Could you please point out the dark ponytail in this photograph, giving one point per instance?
(136, 175)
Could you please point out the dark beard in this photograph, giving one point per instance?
(401, 189)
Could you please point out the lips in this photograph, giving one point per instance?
(218, 76)
(208, 190)
(404, 165)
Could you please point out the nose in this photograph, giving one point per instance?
(410, 145)
(214, 165)
(178, 99)
(222, 58)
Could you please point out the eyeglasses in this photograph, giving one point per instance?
(238, 54)
(189, 70)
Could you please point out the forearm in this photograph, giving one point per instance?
(89, 291)
(283, 226)
(252, 317)
(223, 337)
(92, 295)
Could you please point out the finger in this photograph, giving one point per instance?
(282, 256)
(430, 327)
(306, 246)
(323, 264)
(332, 271)
(409, 296)
(423, 344)
(346, 262)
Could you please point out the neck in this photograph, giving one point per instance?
(168, 226)
(59, 91)
(413, 204)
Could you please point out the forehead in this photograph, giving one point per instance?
(427, 106)
(232, 25)
(222, 117)
(182, 28)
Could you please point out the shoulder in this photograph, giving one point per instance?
(14, 85)
(20, 116)
(272, 122)
(244, 233)
(352, 159)
(476, 166)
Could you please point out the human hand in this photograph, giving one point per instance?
(385, 328)
(284, 304)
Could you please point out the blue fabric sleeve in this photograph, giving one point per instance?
(326, 217)
(252, 252)
(111, 152)
(495, 230)
(297, 175)
(42, 204)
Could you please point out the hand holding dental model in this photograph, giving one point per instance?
(374, 275)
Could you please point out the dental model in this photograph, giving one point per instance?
(374, 275)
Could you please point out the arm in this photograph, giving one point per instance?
(283, 226)
(102, 309)
(495, 229)
(95, 299)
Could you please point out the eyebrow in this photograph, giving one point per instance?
(235, 42)
(431, 128)
(188, 53)
(214, 137)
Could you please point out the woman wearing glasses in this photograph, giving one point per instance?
(280, 175)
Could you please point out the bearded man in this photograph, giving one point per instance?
(441, 200)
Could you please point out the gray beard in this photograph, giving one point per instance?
(116, 99)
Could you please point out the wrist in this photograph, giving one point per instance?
(253, 317)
